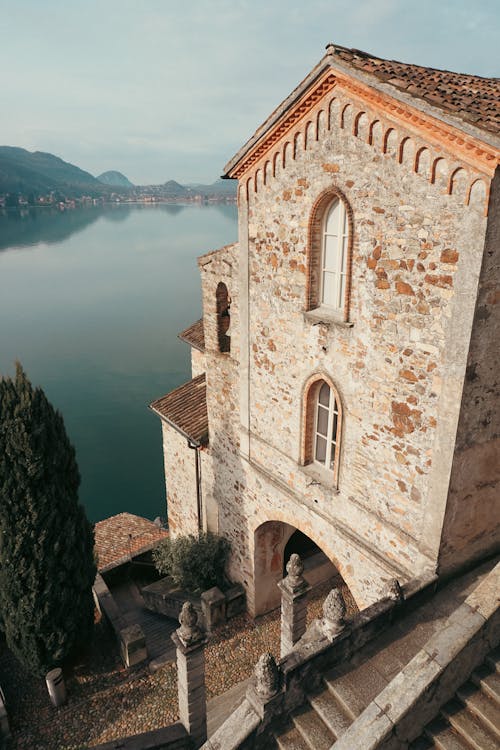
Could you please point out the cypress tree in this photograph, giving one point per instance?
(47, 565)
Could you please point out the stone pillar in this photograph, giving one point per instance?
(190, 643)
(294, 590)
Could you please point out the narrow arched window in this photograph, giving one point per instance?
(321, 427)
(326, 428)
(223, 303)
(335, 245)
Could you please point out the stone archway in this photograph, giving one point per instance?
(274, 542)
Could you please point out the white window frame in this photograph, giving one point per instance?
(333, 430)
(336, 276)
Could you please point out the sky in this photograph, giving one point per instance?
(161, 89)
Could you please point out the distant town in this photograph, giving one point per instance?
(29, 179)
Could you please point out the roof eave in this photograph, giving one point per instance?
(197, 442)
(330, 61)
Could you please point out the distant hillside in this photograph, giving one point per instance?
(24, 171)
(115, 179)
(219, 187)
(173, 188)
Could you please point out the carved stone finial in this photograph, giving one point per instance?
(394, 590)
(330, 48)
(266, 676)
(334, 610)
(294, 568)
(189, 632)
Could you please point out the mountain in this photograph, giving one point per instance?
(173, 188)
(219, 187)
(25, 171)
(115, 179)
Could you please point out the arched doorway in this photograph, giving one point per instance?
(274, 542)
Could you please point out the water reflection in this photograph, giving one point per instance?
(93, 314)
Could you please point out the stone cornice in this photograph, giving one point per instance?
(469, 149)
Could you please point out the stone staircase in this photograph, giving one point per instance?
(471, 721)
(331, 710)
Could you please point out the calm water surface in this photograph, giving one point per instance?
(91, 302)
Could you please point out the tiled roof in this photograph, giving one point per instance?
(472, 98)
(194, 335)
(185, 408)
(123, 535)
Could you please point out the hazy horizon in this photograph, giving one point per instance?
(159, 91)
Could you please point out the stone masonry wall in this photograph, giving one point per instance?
(180, 475)
(399, 368)
(472, 521)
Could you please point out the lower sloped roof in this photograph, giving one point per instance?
(185, 409)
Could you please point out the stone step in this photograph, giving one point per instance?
(291, 739)
(314, 731)
(484, 709)
(444, 737)
(493, 659)
(488, 682)
(331, 712)
(469, 727)
(356, 689)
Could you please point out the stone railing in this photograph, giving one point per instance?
(214, 607)
(131, 639)
(398, 715)
(278, 688)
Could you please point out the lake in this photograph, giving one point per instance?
(91, 302)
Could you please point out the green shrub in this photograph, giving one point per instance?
(193, 563)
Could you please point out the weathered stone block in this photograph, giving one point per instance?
(133, 645)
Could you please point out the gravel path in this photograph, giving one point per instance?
(107, 701)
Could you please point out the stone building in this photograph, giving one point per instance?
(344, 400)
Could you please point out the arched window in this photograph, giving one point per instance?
(326, 428)
(322, 426)
(329, 256)
(334, 241)
(223, 319)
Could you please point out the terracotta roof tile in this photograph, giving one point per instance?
(472, 98)
(123, 535)
(185, 408)
(194, 335)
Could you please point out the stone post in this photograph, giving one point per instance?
(190, 641)
(294, 590)
(264, 691)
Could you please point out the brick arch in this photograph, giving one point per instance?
(308, 135)
(361, 126)
(346, 116)
(247, 189)
(271, 533)
(308, 407)
(333, 111)
(477, 193)
(298, 143)
(313, 250)
(439, 169)
(375, 134)
(287, 154)
(457, 183)
(406, 151)
(422, 163)
(276, 158)
(267, 171)
(257, 180)
(321, 123)
(389, 143)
